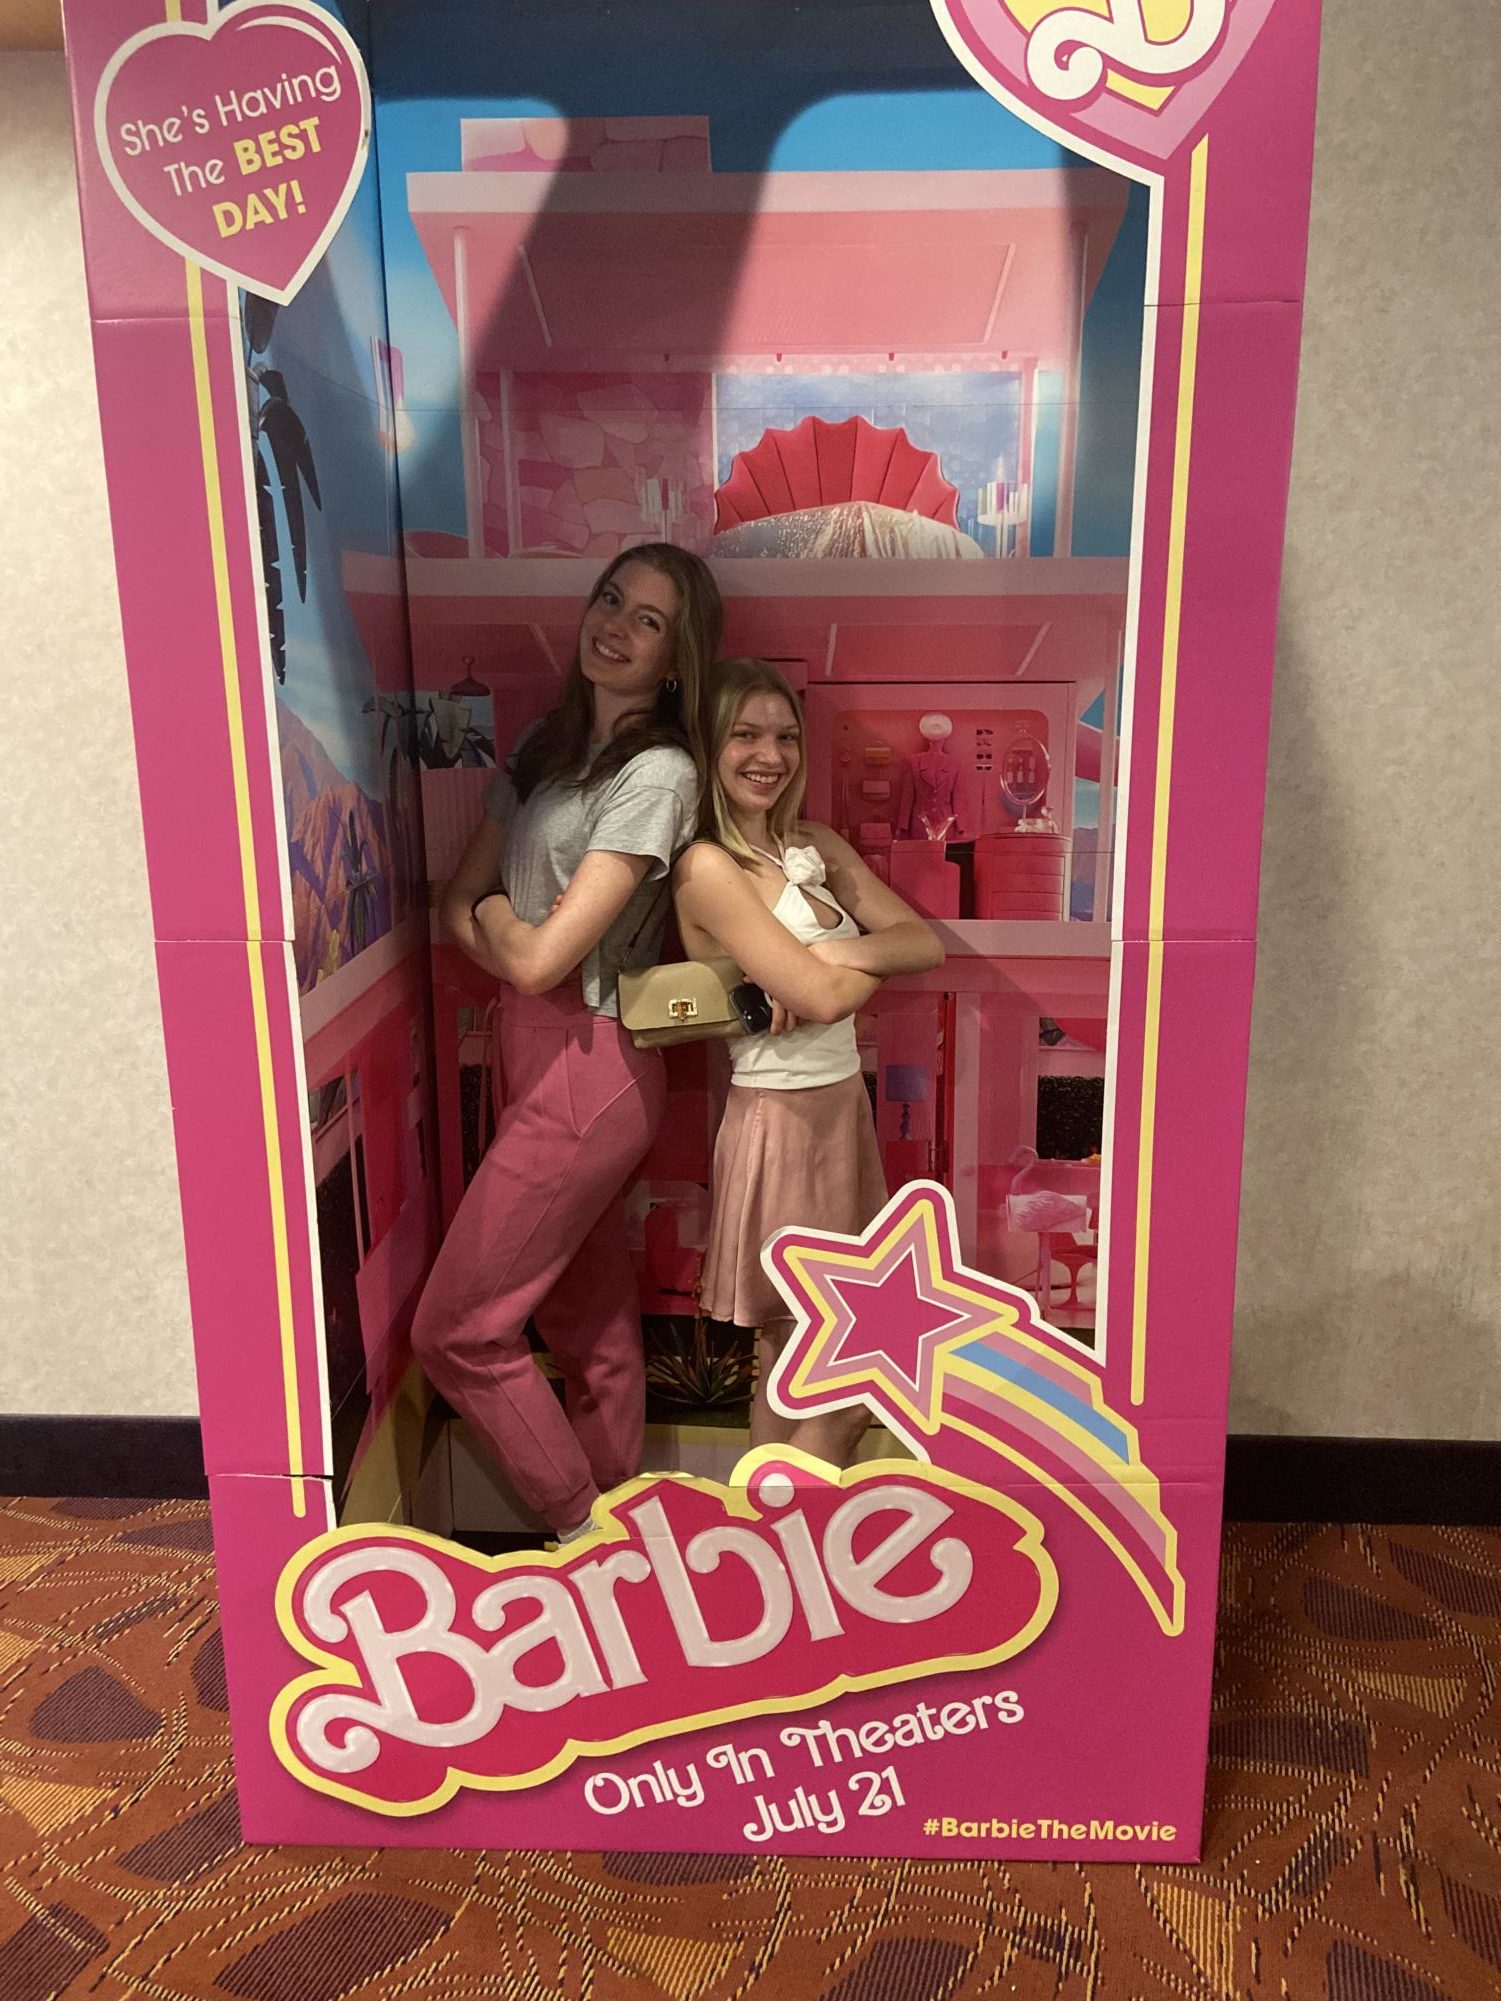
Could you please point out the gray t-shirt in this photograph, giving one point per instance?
(647, 808)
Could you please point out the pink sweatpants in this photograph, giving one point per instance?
(541, 1233)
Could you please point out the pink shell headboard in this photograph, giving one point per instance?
(819, 464)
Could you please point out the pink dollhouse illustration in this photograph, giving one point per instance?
(793, 373)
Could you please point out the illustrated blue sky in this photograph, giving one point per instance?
(321, 348)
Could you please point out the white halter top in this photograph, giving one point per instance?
(818, 1052)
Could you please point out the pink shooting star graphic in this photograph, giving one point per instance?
(964, 1370)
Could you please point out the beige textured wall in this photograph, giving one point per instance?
(1370, 1286)
(1370, 1274)
(93, 1303)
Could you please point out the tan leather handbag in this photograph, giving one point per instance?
(692, 1000)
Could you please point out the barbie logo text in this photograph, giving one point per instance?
(695, 1604)
(1068, 50)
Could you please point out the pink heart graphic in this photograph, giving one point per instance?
(1055, 71)
(239, 143)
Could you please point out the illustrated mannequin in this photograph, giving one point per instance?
(928, 804)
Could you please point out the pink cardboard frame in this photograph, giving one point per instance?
(1040, 1576)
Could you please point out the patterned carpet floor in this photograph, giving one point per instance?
(1353, 1848)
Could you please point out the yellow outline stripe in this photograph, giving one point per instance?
(224, 606)
(1188, 362)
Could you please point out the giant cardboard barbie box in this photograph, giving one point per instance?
(965, 351)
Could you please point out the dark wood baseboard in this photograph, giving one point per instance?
(1267, 1479)
(122, 1458)
(1298, 1479)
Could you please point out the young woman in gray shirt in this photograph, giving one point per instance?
(582, 828)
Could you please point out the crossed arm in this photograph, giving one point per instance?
(534, 958)
(720, 911)
(893, 938)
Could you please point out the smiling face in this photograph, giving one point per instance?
(626, 639)
(761, 755)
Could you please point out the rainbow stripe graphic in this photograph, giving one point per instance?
(965, 1371)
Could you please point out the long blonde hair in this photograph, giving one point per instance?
(731, 685)
(558, 749)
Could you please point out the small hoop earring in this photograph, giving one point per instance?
(670, 684)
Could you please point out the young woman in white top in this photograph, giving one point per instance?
(582, 828)
(795, 907)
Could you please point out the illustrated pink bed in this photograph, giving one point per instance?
(841, 489)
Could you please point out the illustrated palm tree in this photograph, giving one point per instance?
(360, 886)
(398, 725)
(279, 449)
(398, 747)
(447, 736)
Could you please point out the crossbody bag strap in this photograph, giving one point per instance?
(651, 908)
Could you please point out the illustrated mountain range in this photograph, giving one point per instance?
(339, 851)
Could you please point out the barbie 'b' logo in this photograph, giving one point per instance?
(1068, 49)
(1136, 76)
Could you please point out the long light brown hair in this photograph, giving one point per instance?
(557, 750)
(731, 685)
